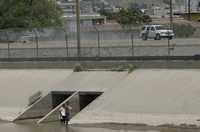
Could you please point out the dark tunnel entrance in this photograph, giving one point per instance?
(78, 102)
(85, 98)
(59, 97)
(48, 107)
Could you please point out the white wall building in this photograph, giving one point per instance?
(87, 16)
(182, 5)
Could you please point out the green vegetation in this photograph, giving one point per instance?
(184, 30)
(29, 14)
(109, 15)
(129, 18)
(121, 68)
(166, 1)
(78, 68)
(131, 68)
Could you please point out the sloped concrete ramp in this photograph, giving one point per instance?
(153, 97)
(101, 81)
(17, 85)
(21, 84)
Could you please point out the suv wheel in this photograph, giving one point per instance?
(157, 37)
(144, 37)
(170, 38)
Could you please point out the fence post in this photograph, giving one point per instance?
(168, 45)
(36, 42)
(132, 42)
(66, 42)
(8, 41)
(98, 32)
(98, 41)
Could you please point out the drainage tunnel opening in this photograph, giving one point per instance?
(85, 98)
(77, 100)
(59, 97)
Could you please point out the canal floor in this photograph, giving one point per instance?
(58, 127)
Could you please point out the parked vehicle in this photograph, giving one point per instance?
(26, 38)
(156, 32)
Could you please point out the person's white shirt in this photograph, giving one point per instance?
(62, 111)
(69, 107)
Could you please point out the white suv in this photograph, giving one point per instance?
(26, 38)
(156, 32)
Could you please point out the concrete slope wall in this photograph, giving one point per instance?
(153, 97)
(18, 85)
(98, 81)
(39, 109)
(91, 81)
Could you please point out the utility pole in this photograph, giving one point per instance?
(78, 28)
(189, 10)
(98, 40)
(171, 14)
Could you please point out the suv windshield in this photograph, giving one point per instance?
(160, 28)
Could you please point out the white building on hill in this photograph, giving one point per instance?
(87, 16)
(182, 5)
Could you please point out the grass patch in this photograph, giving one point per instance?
(119, 69)
(78, 68)
(184, 30)
(131, 68)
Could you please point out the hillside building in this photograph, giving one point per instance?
(88, 16)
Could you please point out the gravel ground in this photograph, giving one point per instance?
(121, 47)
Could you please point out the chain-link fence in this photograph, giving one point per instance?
(95, 42)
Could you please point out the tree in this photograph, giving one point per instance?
(166, 2)
(184, 30)
(29, 14)
(109, 15)
(130, 18)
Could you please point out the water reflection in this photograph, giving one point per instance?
(57, 127)
(23, 127)
(53, 127)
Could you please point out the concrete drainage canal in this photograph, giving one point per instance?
(46, 109)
